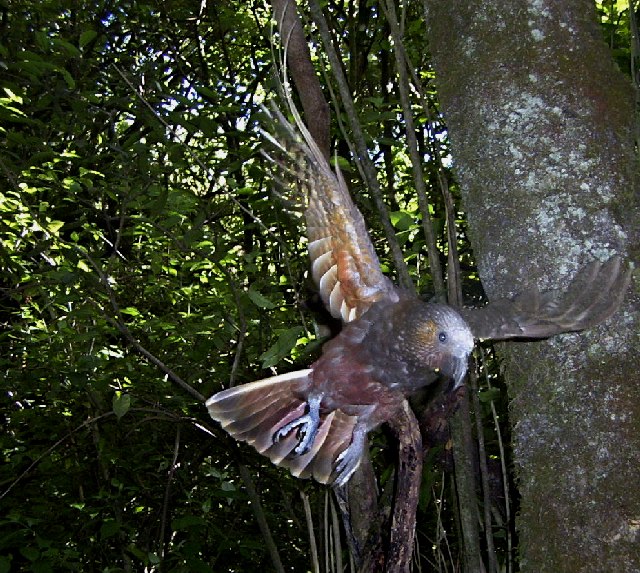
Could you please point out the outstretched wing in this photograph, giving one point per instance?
(593, 295)
(344, 264)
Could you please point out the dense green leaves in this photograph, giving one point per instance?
(120, 161)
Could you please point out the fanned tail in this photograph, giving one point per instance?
(254, 412)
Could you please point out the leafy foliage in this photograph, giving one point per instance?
(134, 193)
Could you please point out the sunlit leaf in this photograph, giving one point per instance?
(259, 299)
(121, 403)
(282, 348)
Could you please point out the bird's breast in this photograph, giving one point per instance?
(361, 371)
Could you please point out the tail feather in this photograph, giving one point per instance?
(298, 465)
(264, 439)
(270, 414)
(260, 392)
(278, 451)
(254, 412)
(338, 441)
(334, 436)
(246, 411)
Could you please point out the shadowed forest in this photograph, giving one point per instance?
(148, 262)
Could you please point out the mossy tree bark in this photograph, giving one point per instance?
(542, 127)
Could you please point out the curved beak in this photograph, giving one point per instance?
(456, 368)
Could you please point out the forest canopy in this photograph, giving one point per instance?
(146, 263)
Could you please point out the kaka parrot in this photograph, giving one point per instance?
(315, 421)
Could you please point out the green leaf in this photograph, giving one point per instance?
(207, 92)
(109, 528)
(131, 311)
(68, 78)
(55, 226)
(187, 521)
(402, 220)
(342, 164)
(121, 404)
(489, 395)
(12, 96)
(285, 343)
(31, 553)
(259, 299)
(66, 47)
(86, 37)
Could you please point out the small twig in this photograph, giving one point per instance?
(465, 484)
(441, 532)
(412, 142)
(454, 281)
(167, 490)
(256, 505)
(156, 361)
(312, 536)
(484, 474)
(124, 330)
(503, 466)
(337, 546)
(118, 322)
(245, 474)
(242, 330)
(51, 448)
(86, 423)
(198, 161)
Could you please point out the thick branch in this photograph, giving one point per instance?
(298, 59)
(409, 478)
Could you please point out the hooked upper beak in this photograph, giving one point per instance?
(456, 369)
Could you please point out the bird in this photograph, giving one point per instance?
(316, 421)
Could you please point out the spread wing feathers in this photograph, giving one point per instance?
(254, 412)
(593, 295)
(344, 264)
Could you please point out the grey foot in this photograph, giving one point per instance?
(349, 460)
(307, 426)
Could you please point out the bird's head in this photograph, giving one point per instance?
(438, 338)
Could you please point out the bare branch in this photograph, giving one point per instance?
(298, 58)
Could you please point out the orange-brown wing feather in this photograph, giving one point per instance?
(344, 263)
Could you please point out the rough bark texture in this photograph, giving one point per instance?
(541, 124)
(298, 58)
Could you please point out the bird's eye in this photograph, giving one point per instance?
(442, 336)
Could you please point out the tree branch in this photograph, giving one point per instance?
(298, 58)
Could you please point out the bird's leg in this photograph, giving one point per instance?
(349, 460)
(307, 424)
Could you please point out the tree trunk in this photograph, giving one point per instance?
(542, 126)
